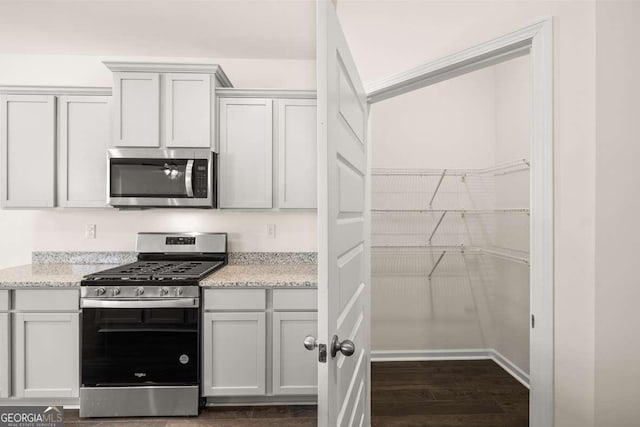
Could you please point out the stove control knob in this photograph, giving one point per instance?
(100, 291)
(164, 291)
(115, 291)
(139, 291)
(179, 292)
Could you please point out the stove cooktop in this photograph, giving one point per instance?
(157, 270)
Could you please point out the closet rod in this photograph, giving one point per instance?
(460, 211)
(524, 163)
(504, 255)
(463, 250)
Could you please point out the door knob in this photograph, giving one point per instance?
(310, 343)
(346, 347)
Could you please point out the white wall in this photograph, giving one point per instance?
(473, 302)
(617, 347)
(448, 125)
(23, 231)
(389, 36)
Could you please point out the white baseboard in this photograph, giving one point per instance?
(416, 355)
(511, 368)
(456, 354)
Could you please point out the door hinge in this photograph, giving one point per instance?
(322, 353)
(533, 321)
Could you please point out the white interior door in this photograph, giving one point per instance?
(343, 241)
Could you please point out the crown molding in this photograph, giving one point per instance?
(56, 90)
(266, 93)
(170, 67)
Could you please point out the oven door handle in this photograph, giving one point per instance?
(140, 303)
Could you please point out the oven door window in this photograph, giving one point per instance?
(148, 178)
(123, 347)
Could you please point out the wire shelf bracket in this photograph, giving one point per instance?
(437, 226)
(435, 266)
(444, 172)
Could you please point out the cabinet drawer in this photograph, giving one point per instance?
(47, 300)
(235, 299)
(295, 299)
(4, 300)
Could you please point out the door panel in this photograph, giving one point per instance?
(297, 154)
(246, 146)
(188, 110)
(27, 151)
(84, 139)
(294, 369)
(46, 355)
(137, 109)
(234, 354)
(5, 345)
(343, 267)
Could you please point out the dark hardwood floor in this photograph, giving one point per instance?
(470, 393)
(475, 393)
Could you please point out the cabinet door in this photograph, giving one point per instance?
(297, 154)
(188, 113)
(295, 369)
(136, 109)
(234, 354)
(246, 149)
(84, 139)
(5, 345)
(27, 147)
(46, 355)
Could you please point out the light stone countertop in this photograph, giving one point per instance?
(263, 276)
(231, 276)
(47, 275)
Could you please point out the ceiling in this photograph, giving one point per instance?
(266, 29)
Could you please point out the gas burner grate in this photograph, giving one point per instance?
(159, 270)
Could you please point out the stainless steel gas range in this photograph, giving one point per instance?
(140, 328)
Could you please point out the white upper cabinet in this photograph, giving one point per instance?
(246, 149)
(27, 147)
(188, 111)
(83, 123)
(297, 154)
(268, 150)
(165, 105)
(136, 113)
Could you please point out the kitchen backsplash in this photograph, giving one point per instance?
(114, 257)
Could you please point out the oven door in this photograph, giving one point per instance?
(160, 178)
(128, 343)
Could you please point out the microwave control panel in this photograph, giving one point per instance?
(200, 179)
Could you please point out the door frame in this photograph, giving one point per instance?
(536, 40)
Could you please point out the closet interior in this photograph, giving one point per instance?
(450, 220)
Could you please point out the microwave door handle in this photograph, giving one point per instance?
(188, 178)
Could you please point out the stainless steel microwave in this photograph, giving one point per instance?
(166, 178)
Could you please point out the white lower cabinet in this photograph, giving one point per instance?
(253, 342)
(295, 369)
(5, 345)
(235, 354)
(39, 344)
